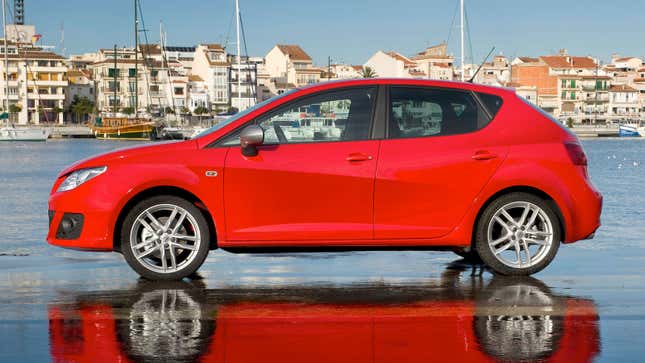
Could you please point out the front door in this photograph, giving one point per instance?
(313, 178)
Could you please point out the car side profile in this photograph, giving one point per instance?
(346, 165)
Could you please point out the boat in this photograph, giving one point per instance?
(123, 128)
(12, 133)
(627, 130)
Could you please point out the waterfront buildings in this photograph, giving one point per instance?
(37, 83)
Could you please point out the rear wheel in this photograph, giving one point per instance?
(165, 238)
(518, 234)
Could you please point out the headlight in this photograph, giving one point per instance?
(79, 177)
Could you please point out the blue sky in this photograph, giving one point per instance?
(352, 30)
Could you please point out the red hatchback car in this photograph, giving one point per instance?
(357, 164)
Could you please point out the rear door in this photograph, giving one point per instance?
(313, 179)
(437, 157)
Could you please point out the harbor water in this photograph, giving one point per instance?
(42, 286)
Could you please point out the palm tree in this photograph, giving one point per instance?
(368, 72)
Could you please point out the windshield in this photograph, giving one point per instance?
(239, 115)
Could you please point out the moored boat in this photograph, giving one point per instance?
(123, 128)
(12, 133)
(628, 131)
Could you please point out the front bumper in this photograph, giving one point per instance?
(82, 218)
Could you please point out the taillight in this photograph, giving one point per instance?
(576, 153)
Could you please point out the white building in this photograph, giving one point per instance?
(290, 64)
(37, 83)
(211, 65)
(624, 102)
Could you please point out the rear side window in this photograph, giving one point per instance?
(421, 112)
(493, 103)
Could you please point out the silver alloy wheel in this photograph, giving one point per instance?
(520, 234)
(165, 238)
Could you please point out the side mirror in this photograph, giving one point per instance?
(250, 138)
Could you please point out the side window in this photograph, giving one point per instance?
(493, 103)
(421, 112)
(344, 115)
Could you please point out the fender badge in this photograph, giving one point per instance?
(211, 173)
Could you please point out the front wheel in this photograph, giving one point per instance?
(165, 238)
(518, 234)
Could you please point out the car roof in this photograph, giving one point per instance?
(407, 81)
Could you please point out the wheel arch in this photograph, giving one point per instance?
(524, 189)
(163, 190)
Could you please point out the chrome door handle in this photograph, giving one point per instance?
(358, 157)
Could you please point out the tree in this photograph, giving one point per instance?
(14, 108)
(200, 110)
(128, 110)
(570, 122)
(169, 110)
(368, 72)
(185, 110)
(80, 107)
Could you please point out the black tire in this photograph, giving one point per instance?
(200, 252)
(481, 235)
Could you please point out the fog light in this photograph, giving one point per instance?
(70, 226)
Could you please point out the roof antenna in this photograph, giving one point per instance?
(481, 65)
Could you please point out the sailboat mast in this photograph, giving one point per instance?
(239, 58)
(461, 16)
(6, 57)
(136, 61)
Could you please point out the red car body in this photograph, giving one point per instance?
(414, 192)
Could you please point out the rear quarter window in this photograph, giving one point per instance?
(492, 103)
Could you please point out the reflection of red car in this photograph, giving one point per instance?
(513, 321)
(409, 164)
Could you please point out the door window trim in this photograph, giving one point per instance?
(379, 98)
(388, 108)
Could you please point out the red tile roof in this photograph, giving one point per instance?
(565, 61)
(528, 59)
(406, 61)
(294, 52)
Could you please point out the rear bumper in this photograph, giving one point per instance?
(587, 208)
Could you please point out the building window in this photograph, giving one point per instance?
(112, 72)
(132, 72)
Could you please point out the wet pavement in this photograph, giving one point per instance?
(337, 307)
(67, 306)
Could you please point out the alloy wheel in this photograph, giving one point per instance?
(165, 238)
(520, 234)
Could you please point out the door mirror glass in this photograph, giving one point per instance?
(251, 137)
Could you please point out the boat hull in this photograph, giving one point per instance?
(129, 132)
(24, 134)
(628, 131)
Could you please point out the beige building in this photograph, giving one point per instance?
(211, 64)
(124, 83)
(290, 64)
(37, 81)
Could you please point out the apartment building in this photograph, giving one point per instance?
(558, 82)
(123, 83)
(290, 64)
(37, 82)
(391, 64)
(346, 71)
(435, 62)
(211, 64)
(624, 103)
(494, 73)
(244, 92)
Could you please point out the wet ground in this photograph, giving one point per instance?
(338, 307)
